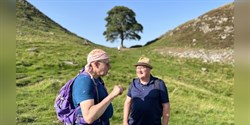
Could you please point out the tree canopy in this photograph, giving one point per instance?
(122, 24)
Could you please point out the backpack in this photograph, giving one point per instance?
(65, 110)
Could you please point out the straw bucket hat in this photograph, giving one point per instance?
(144, 61)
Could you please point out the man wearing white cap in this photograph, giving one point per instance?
(89, 91)
(147, 98)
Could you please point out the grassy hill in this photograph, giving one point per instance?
(209, 37)
(48, 55)
(212, 30)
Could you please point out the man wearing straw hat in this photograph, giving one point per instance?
(96, 107)
(147, 98)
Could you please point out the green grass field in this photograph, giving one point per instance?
(196, 96)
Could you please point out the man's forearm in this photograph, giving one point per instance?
(165, 119)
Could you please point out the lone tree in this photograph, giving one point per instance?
(121, 23)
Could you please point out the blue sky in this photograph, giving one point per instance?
(86, 18)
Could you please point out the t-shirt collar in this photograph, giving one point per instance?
(151, 81)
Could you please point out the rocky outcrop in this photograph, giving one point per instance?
(224, 56)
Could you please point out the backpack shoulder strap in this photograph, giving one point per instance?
(85, 73)
(97, 93)
(132, 83)
(157, 83)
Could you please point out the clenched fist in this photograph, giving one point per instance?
(117, 90)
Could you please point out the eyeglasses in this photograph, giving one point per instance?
(141, 68)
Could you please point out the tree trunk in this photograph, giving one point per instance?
(122, 38)
(122, 43)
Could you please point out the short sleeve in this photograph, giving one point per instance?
(163, 92)
(82, 89)
(129, 90)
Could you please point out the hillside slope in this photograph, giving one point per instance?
(31, 21)
(41, 43)
(209, 38)
(212, 30)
